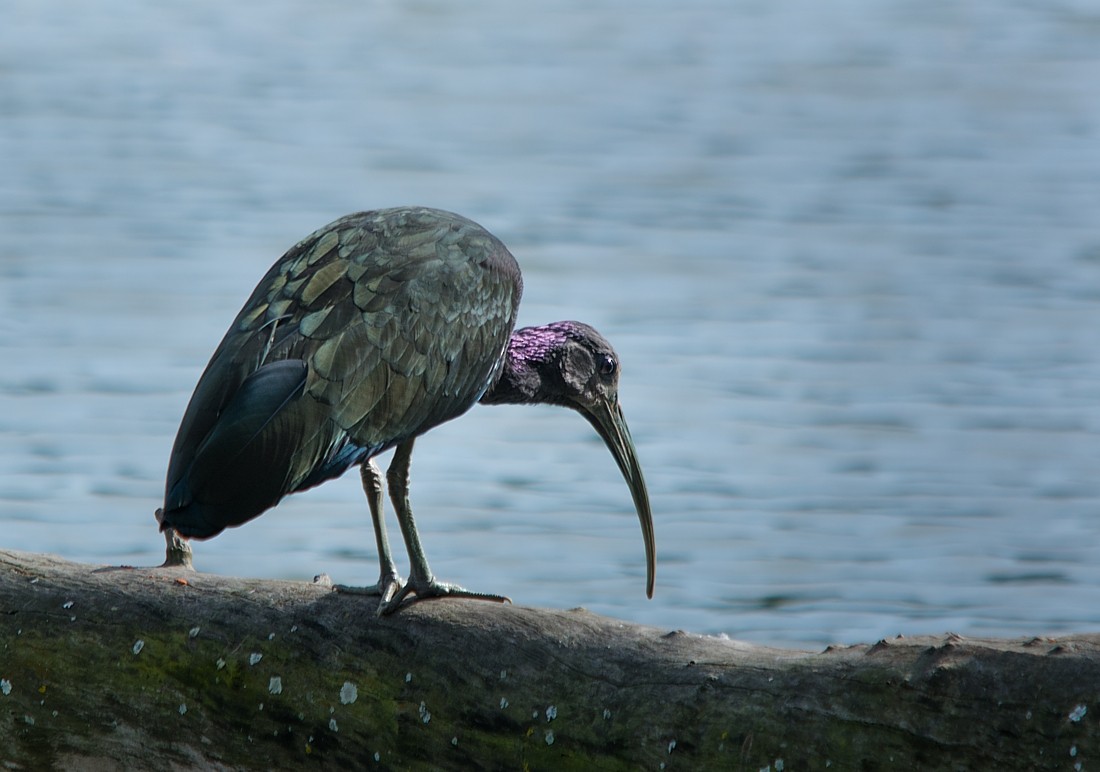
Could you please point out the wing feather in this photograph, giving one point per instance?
(397, 320)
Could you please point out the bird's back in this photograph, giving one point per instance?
(372, 330)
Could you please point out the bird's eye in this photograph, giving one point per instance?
(607, 366)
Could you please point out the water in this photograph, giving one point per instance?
(848, 252)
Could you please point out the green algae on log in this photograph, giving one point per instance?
(116, 668)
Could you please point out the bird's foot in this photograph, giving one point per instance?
(388, 585)
(422, 589)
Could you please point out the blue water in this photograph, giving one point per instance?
(849, 253)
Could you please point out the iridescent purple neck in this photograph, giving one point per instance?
(529, 351)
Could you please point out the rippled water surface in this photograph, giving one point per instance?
(849, 253)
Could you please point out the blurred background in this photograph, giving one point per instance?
(849, 254)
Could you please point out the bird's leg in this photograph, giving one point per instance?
(388, 580)
(421, 582)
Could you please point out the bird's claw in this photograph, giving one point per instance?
(432, 588)
(388, 585)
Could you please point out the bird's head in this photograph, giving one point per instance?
(578, 368)
(572, 365)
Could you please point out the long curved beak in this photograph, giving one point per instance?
(607, 418)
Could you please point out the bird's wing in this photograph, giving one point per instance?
(400, 317)
(241, 465)
(432, 304)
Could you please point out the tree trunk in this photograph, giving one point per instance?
(121, 668)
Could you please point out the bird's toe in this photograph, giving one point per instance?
(388, 585)
(417, 590)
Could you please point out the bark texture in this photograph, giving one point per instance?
(113, 668)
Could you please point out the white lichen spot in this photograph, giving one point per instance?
(408, 677)
(534, 714)
(1028, 715)
(606, 714)
(28, 719)
(503, 702)
(194, 632)
(551, 713)
(5, 686)
(138, 646)
(454, 741)
(332, 725)
(254, 657)
(67, 604)
(348, 693)
(425, 716)
(294, 628)
(275, 685)
(503, 675)
(377, 756)
(1078, 713)
(261, 707)
(72, 619)
(183, 708)
(778, 765)
(220, 663)
(271, 637)
(549, 737)
(671, 747)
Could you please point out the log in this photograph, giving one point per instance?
(121, 668)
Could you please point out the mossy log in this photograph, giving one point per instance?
(114, 668)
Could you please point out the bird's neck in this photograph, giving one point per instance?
(528, 354)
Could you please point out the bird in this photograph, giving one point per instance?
(363, 336)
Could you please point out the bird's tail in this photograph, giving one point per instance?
(189, 522)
